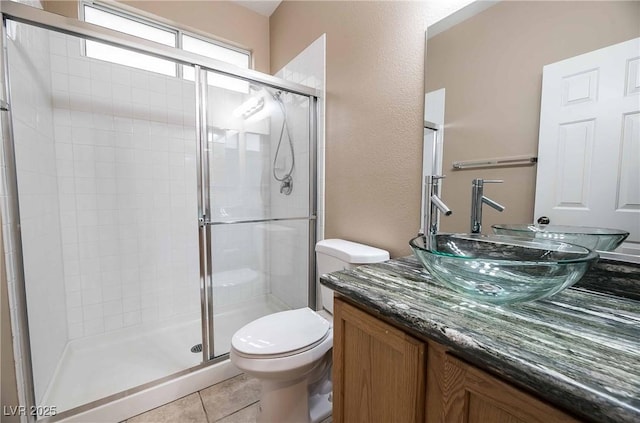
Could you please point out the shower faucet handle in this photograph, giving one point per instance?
(286, 185)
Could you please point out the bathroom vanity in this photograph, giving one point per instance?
(408, 349)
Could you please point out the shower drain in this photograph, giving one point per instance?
(196, 348)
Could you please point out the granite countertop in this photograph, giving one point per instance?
(579, 349)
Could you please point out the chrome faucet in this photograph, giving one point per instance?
(477, 198)
(432, 205)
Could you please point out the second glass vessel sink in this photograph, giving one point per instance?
(502, 269)
(601, 239)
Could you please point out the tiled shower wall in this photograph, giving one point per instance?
(283, 255)
(125, 148)
(307, 68)
(239, 177)
(39, 207)
(286, 241)
(255, 259)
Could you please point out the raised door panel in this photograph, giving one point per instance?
(482, 410)
(462, 393)
(629, 186)
(378, 370)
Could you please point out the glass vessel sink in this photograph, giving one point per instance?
(601, 239)
(502, 269)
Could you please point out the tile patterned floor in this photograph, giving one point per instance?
(232, 401)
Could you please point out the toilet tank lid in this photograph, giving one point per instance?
(351, 252)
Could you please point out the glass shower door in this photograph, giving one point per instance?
(258, 161)
(107, 185)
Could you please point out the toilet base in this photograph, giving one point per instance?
(289, 402)
(284, 402)
(320, 407)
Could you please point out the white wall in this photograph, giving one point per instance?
(38, 195)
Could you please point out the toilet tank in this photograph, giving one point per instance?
(337, 254)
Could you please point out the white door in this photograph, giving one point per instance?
(589, 146)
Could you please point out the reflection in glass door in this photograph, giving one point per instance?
(257, 144)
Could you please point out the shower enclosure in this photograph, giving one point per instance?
(145, 217)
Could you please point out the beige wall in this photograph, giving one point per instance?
(491, 67)
(374, 108)
(223, 20)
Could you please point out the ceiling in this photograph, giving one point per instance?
(444, 16)
(264, 7)
(436, 10)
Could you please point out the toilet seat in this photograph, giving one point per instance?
(281, 334)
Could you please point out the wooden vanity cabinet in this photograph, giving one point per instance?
(460, 392)
(382, 374)
(378, 370)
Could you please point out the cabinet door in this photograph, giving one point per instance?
(378, 370)
(458, 392)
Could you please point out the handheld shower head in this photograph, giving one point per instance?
(286, 181)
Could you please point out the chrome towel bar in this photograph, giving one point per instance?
(496, 162)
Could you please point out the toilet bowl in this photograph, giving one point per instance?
(290, 351)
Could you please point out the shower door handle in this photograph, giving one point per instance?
(204, 222)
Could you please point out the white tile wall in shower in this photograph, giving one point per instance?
(239, 271)
(285, 254)
(308, 68)
(296, 108)
(248, 256)
(125, 147)
(239, 175)
(38, 195)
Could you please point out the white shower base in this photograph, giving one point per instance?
(95, 367)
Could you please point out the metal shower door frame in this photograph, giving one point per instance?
(38, 18)
(205, 215)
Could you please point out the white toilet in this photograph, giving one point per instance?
(290, 351)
